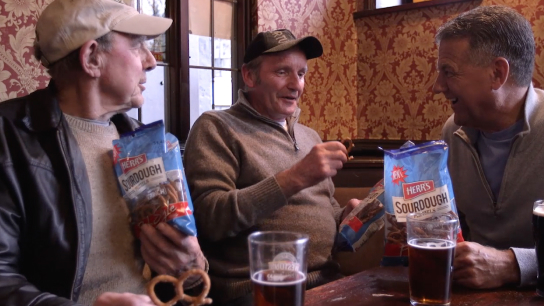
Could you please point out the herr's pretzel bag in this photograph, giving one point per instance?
(150, 173)
(363, 221)
(416, 180)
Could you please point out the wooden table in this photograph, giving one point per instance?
(388, 286)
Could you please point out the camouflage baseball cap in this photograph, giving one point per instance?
(281, 40)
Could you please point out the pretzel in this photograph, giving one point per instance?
(349, 146)
(396, 231)
(178, 285)
(172, 193)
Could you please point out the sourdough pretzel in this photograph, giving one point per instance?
(349, 146)
(396, 231)
(178, 285)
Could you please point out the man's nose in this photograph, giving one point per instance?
(296, 82)
(439, 84)
(148, 61)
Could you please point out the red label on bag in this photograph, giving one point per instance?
(163, 214)
(398, 175)
(132, 162)
(355, 224)
(415, 189)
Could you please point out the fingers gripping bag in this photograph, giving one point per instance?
(150, 173)
(416, 180)
(363, 221)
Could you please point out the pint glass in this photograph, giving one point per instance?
(431, 245)
(538, 234)
(277, 264)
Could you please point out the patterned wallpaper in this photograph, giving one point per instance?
(329, 102)
(373, 81)
(396, 69)
(20, 73)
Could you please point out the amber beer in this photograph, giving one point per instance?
(278, 288)
(538, 235)
(430, 271)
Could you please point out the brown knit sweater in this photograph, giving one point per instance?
(231, 159)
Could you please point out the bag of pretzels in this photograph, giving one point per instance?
(150, 173)
(363, 221)
(416, 180)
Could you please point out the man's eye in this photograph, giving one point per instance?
(447, 73)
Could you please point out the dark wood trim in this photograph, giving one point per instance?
(366, 167)
(243, 37)
(177, 111)
(402, 7)
(369, 149)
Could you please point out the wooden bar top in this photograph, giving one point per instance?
(388, 286)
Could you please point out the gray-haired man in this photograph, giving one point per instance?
(64, 233)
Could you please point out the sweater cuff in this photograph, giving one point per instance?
(527, 264)
(265, 197)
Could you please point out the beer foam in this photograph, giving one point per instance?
(257, 278)
(431, 244)
(539, 211)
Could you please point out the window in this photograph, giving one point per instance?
(198, 60)
(212, 55)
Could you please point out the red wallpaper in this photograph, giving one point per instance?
(20, 73)
(329, 103)
(396, 69)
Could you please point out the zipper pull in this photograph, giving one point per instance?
(296, 146)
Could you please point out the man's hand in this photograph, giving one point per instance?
(168, 251)
(122, 299)
(349, 207)
(322, 162)
(478, 266)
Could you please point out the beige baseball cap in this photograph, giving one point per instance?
(65, 25)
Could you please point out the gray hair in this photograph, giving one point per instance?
(495, 31)
(71, 61)
(254, 66)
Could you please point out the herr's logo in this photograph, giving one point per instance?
(130, 163)
(414, 190)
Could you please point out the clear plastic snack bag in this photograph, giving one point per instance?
(151, 178)
(363, 221)
(416, 180)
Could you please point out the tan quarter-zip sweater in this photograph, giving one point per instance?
(231, 159)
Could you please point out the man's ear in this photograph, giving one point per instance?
(248, 76)
(501, 71)
(89, 57)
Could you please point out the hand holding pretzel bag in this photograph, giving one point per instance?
(363, 221)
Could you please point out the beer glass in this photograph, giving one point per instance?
(431, 245)
(538, 235)
(277, 264)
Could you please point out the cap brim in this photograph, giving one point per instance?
(150, 26)
(309, 45)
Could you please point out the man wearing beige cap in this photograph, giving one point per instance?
(64, 234)
(254, 168)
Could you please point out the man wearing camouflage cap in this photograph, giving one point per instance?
(254, 168)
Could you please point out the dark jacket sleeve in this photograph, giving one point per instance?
(15, 289)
